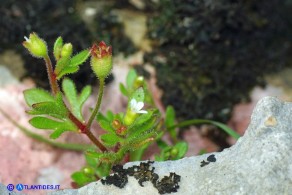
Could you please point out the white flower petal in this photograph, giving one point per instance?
(142, 112)
(133, 103)
(26, 39)
(139, 105)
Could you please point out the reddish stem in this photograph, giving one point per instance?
(52, 76)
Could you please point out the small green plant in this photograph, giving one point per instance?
(127, 135)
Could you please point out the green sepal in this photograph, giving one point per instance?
(138, 95)
(57, 48)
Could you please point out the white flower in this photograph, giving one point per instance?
(137, 106)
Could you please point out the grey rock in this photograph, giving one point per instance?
(6, 77)
(259, 163)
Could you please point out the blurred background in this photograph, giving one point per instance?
(209, 59)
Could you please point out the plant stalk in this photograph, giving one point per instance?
(97, 106)
(52, 76)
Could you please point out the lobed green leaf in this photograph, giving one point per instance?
(34, 96)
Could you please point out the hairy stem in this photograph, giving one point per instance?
(98, 103)
(67, 146)
(87, 132)
(51, 75)
(95, 141)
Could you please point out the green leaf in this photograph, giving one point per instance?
(137, 155)
(47, 123)
(84, 95)
(59, 127)
(170, 121)
(110, 139)
(103, 169)
(57, 133)
(71, 94)
(143, 118)
(100, 117)
(123, 89)
(143, 122)
(67, 70)
(44, 123)
(90, 160)
(161, 144)
(58, 47)
(48, 108)
(132, 75)
(169, 116)
(62, 64)
(222, 126)
(33, 96)
(79, 58)
(138, 95)
(75, 102)
(81, 178)
(182, 148)
(105, 125)
(110, 115)
(93, 154)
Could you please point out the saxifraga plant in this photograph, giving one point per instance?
(127, 135)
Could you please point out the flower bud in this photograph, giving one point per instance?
(87, 170)
(116, 124)
(173, 152)
(101, 60)
(139, 82)
(35, 45)
(122, 130)
(67, 50)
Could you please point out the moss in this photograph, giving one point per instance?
(210, 54)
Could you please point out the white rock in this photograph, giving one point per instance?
(259, 163)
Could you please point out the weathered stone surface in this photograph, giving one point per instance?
(259, 163)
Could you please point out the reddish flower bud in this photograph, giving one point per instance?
(101, 59)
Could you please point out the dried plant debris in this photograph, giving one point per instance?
(210, 159)
(142, 173)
